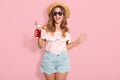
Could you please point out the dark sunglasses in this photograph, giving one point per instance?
(59, 13)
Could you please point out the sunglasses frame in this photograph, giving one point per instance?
(59, 13)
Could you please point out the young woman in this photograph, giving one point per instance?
(55, 37)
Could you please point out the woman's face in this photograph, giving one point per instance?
(58, 15)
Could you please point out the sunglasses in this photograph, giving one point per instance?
(59, 13)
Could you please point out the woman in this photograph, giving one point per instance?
(55, 37)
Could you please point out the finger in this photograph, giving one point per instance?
(84, 34)
(36, 31)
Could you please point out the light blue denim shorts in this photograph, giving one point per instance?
(53, 63)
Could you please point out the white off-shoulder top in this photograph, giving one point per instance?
(55, 44)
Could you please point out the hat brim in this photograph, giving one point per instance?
(56, 4)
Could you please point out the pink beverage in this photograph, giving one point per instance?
(38, 31)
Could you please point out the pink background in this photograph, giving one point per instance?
(98, 58)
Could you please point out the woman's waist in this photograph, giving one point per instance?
(56, 51)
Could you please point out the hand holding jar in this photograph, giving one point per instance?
(37, 30)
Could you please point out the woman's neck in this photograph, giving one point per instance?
(57, 27)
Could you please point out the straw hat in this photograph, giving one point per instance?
(57, 4)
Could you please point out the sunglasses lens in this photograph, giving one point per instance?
(54, 13)
(59, 13)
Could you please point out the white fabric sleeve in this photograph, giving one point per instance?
(68, 37)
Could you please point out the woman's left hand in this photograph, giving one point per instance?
(81, 38)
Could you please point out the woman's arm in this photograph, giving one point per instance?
(81, 39)
(72, 44)
(41, 43)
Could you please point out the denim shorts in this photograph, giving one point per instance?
(53, 63)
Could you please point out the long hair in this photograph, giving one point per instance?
(51, 22)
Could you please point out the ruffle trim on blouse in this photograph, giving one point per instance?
(57, 36)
